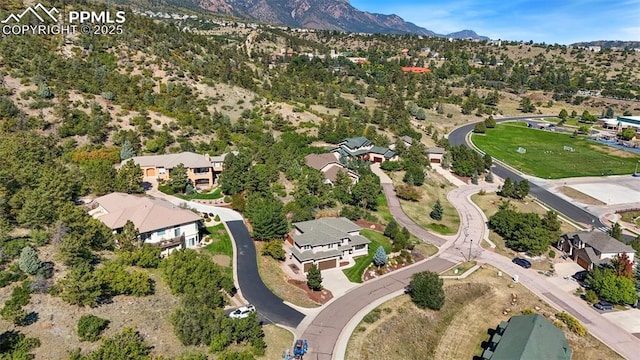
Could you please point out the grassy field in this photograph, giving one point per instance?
(278, 340)
(472, 307)
(462, 268)
(435, 187)
(383, 209)
(545, 156)
(354, 273)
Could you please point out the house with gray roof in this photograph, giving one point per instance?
(527, 337)
(327, 242)
(589, 248)
(361, 148)
(436, 154)
(159, 222)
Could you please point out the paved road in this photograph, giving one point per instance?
(458, 137)
(253, 289)
(325, 331)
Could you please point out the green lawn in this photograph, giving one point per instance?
(215, 194)
(545, 156)
(383, 208)
(354, 273)
(221, 241)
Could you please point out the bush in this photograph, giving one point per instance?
(372, 316)
(274, 249)
(146, 257)
(552, 254)
(408, 192)
(572, 323)
(351, 212)
(437, 211)
(90, 327)
(426, 290)
(392, 165)
(591, 296)
(29, 261)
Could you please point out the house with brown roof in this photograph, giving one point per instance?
(327, 242)
(415, 69)
(158, 221)
(199, 167)
(329, 165)
(589, 248)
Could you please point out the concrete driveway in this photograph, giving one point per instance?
(336, 281)
(628, 320)
(563, 279)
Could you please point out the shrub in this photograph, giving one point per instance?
(392, 165)
(372, 316)
(90, 327)
(437, 211)
(591, 296)
(572, 323)
(408, 192)
(274, 249)
(29, 261)
(380, 257)
(426, 290)
(351, 212)
(528, 311)
(216, 218)
(146, 257)
(552, 254)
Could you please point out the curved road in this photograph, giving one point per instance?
(253, 289)
(458, 137)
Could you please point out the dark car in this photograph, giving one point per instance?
(580, 275)
(603, 305)
(522, 262)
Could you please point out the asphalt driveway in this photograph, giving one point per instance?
(254, 290)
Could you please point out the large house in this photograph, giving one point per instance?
(326, 242)
(527, 337)
(362, 148)
(589, 248)
(329, 165)
(200, 169)
(158, 221)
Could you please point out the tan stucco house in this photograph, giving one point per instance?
(159, 222)
(200, 169)
(326, 242)
(436, 154)
(589, 248)
(329, 165)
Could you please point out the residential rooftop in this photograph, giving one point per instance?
(169, 161)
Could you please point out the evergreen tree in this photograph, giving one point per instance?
(522, 189)
(29, 262)
(446, 161)
(616, 232)
(480, 128)
(427, 290)
(342, 187)
(563, 114)
(489, 177)
(128, 239)
(44, 91)
(314, 278)
(488, 161)
(127, 151)
(234, 176)
(437, 211)
(391, 230)
(380, 257)
(507, 189)
(474, 178)
(129, 178)
(490, 122)
(178, 179)
(267, 217)
(414, 175)
(608, 113)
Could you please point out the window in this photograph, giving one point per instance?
(161, 232)
(331, 246)
(161, 170)
(176, 232)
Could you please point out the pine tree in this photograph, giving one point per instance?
(474, 178)
(391, 230)
(29, 261)
(129, 178)
(489, 177)
(380, 257)
(314, 278)
(436, 212)
(616, 232)
(490, 122)
(127, 152)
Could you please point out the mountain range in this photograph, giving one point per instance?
(337, 15)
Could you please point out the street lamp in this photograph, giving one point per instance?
(470, 244)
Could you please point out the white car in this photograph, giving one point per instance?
(242, 312)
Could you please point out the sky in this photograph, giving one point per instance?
(548, 21)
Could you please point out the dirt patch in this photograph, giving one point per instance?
(473, 306)
(370, 225)
(580, 196)
(320, 297)
(614, 151)
(222, 260)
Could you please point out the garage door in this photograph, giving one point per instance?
(582, 262)
(151, 172)
(327, 264)
(435, 161)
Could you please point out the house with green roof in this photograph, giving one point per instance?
(362, 148)
(527, 337)
(327, 242)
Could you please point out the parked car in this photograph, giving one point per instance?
(242, 312)
(407, 289)
(603, 305)
(522, 262)
(580, 275)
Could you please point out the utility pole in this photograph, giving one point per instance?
(470, 244)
